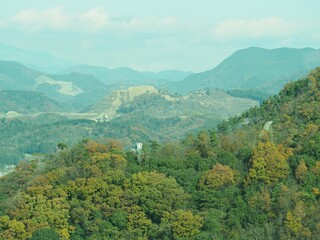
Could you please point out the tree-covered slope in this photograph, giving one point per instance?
(295, 107)
(25, 102)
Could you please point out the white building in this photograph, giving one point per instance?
(138, 146)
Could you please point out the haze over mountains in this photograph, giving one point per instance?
(40, 61)
(125, 77)
(258, 69)
(252, 72)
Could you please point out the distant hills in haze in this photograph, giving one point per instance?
(253, 72)
(79, 86)
(265, 70)
(40, 61)
(75, 90)
(124, 77)
(253, 68)
(46, 63)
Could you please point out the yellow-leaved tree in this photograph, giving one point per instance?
(184, 225)
(219, 176)
(268, 163)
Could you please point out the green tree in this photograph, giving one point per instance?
(45, 234)
(301, 171)
(155, 193)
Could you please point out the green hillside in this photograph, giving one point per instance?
(25, 102)
(92, 89)
(256, 177)
(74, 91)
(253, 68)
(132, 115)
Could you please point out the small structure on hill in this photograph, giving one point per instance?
(138, 147)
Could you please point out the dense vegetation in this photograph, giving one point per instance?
(25, 102)
(146, 117)
(252, 94)
(256, 177)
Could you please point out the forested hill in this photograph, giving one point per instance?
(294, 109)
(258, 177)
(27, 102)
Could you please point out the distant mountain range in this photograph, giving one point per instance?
(75, 90)
(44, 62)
(249, 73)
(80, 86)
(258, 69)
(253, 68)
(124, 77)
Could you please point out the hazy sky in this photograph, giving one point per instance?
(156, 35)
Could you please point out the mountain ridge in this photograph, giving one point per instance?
(127, 76)
(253, 68)
(40, 61)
